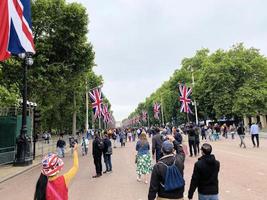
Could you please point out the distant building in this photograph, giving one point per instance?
(118, 124)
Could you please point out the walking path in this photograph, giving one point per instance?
(243, 176)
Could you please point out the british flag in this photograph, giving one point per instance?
(15, 28)
(97, 101)
(144, 116)
(156, 110)
(184, 98)
(105, 113)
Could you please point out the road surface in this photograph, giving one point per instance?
(243, 176)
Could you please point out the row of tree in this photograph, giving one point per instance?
(63, 66)
(228, 83)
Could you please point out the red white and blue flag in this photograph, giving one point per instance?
(185, 100)
(156, 109)
(97, 101)
(15, 28)
(105, 113)
(144, 116)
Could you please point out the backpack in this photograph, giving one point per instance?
(101, 145)
(173, 178)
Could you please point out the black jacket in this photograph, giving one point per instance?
(158, 175)
(107, 143)
(97, 151)
(205, 176)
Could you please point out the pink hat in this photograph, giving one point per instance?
(51, 164)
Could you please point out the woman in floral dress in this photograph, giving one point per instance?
(143, 158)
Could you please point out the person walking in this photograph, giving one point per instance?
(84, 145)
(163, 183)
(254, 131)
(50, 185)
(241, 133)
(107, 153)
(177, 135)
(192, 140)
(61, 146)
(157, 141)
(98, 147)
(143, 158)
(205, 176)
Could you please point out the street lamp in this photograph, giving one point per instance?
(23, 155)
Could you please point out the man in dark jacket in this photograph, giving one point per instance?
(205, 176)
(192, 140)
(107, 153)
(157, 141)
(98, 147)
(159, 171)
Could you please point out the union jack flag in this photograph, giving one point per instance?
(144, 116)
(156, 110)
(105, 113)
(97, 101)
(184, 98)
(15, 28)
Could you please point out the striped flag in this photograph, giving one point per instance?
(15, 28)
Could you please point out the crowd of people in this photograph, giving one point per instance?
(167, 148)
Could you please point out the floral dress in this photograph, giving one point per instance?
(144, 165)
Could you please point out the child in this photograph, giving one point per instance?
(50, 185)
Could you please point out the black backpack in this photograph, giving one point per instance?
(173, 177)
(101, 145)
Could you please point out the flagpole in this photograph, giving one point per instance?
(195, 102)
(162, 114)
(86, 106)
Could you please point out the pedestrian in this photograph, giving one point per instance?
(143, 158)
(232, 130)
(241, 133)
(122, 138)
(61, 146)
(192, 140)
(197, 139)
(177, 135)
(50, 185)
(107, 151)
(129, 135)
(205, 176)
(84, 145)
(203, 133)
(98, 147)
(157, 141)
(254, 131)
(167, 180)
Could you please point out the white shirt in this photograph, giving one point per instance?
(254, 129)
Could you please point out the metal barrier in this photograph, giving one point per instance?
(43, 148)
(7, 155)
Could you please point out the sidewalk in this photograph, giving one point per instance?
(9, 171)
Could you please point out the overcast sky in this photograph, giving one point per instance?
(139, 43)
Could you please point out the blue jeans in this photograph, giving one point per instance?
(208, 197)
(107, 160)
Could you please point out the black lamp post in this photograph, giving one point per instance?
(24, 154)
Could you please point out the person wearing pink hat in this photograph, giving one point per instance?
(50, 185)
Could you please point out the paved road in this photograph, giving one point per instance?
(243, 176)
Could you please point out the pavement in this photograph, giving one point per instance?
(243, 175)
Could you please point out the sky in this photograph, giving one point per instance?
(140, 43)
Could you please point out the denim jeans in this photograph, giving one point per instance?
(208, 197)
(107, 160)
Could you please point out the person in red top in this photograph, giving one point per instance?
(50, 185)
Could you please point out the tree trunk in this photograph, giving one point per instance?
(74, 115)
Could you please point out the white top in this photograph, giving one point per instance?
(254, 129)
